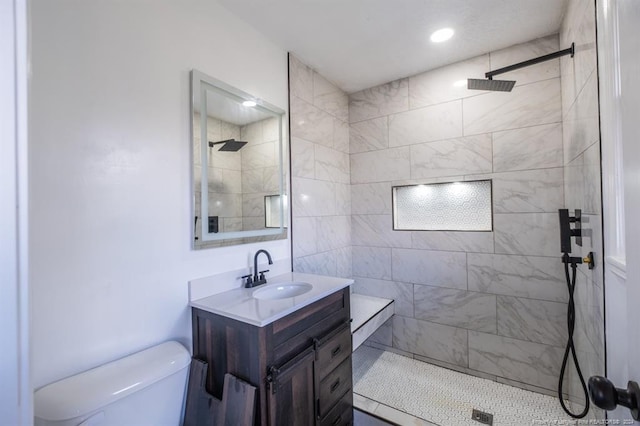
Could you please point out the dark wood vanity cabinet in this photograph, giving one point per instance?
(301, 363)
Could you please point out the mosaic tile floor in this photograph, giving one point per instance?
(446, 397)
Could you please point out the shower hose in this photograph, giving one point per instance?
(571, 320)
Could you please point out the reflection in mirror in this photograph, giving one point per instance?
(272, 210)
(238, 163)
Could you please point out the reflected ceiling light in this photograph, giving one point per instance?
(441, 35)
(460, 83)
(249, 103)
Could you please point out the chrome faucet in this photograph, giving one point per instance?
(258, 277)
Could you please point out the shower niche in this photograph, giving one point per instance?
(239, 171)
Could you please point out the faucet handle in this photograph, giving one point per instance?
(249, 282)
(262, 274)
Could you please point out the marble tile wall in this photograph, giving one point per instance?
(320, 173)
(224, 175)
(260, 165)
(581, 137)
(487, 303)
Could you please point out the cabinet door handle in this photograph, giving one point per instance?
(337, 421)
(335, 385)
(336, 351)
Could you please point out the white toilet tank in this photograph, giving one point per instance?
(143, 389)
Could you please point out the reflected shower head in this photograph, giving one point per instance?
(491, 85)
(230, 145)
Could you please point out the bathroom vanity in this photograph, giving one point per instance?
(295, 350)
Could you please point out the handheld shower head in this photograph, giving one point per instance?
(230, 145)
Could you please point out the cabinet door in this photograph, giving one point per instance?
(291, 392)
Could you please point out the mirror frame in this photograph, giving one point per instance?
(200, 84)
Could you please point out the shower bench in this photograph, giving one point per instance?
(368, 313)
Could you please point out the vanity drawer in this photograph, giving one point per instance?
(334, 386)
(298, 330)
(341, 414)
(332, 349)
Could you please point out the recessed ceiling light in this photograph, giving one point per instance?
(460, 83)
(441, 35)
(249, 103)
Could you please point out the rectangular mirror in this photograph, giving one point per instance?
(239, 173)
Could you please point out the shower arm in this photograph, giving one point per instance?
(569, 51)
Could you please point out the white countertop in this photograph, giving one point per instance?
(238, 304)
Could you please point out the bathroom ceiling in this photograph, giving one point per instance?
(362, 43)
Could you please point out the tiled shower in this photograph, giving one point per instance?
(490, 304)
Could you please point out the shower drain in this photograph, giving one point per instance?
(482, 417)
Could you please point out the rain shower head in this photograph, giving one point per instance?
(492, 85)
(507, 85)
(230, 145)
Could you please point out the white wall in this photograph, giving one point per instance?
(15, 390)
(110, 164)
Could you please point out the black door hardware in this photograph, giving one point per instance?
(606, 396)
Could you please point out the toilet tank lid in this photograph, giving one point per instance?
(86, 392)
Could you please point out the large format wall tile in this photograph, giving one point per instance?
(343, 198)
(331, 165)
(533, 147)
(253, 205)
(329, 98)
(432, 123)
(313, 197)
(302, 158)
(305, 246)
(581, 125)
(300, 79)
(384, 334)
(574, 183)
(401, 293)
(522, 276)
(372, 262)
(447, 83)
(436, 268)
(311, 123)
(534, 320)
(321, 264)
(591, 176)
(369, 135)
(579, 27)
(528, 105)
(379, 101)
(225, 205)
(527, 233)
(436, 341)
(341, 135)
(525, 51)
(333, 232)
(260, 155)
(481, 242)
(380, 166)
(344, 262)
(371, 198)
(458, 308)
(452, 157)
(518, 360)
(528, 191)
(377, 231)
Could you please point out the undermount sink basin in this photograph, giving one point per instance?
(282, 290)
